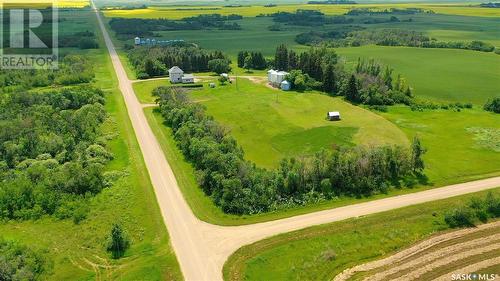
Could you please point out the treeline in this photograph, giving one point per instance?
(300, 17)
(356, 36)
(18, 262)
(82, 40)
(239, 187)
(52, 154)
(477, 210)
(493, 105)
(73, 69)
(251, 60)
(331, 2)
(146, 27)
(156, 61)
(397, 11)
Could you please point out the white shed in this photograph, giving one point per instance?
(286, 86)
(137, 41)
(333, 115)
(175, 74)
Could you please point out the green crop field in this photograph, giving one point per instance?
(321, 252)
(270, 124)
(440, 74)
(77, 251)
(179, 12)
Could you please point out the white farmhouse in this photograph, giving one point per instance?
(276, 77)
(175, 74)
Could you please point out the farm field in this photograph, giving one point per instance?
(179, 12)
(461, 251)
(438, 74)
(322, 252)
(77, 251)
(271, 124)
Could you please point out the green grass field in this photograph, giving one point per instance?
(438, 74)
(270, 124)
(76, 251)
(204, 208)
(454, 150)
(321, 252)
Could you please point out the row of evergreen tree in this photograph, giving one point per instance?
(156, 61)
(251, 60)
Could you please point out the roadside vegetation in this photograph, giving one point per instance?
(70, 169)
(322, 252)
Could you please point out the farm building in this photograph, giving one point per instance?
(333, 115)
(176, 75)
(188, 78)
(285, 85)
(137, 41)
(276, 77)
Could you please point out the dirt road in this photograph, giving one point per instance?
(202, 248)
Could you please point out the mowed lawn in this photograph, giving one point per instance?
(271, 124)
(438, 74)
(460, 146)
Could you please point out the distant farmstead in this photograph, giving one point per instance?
(276, 77)
(176, 75)
(333, 116)
(154, 42)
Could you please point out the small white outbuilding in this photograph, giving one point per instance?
(137, 41)
(187, 79)
(333, 115)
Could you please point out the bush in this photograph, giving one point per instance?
(460, 218)
(493, 105)
(20, 263)
(481, 209)
(118, 242)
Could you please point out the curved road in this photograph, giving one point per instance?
(202, 248)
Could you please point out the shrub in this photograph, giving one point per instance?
(118, 242)
(461, 217)
(20, 263)
(493, 105)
